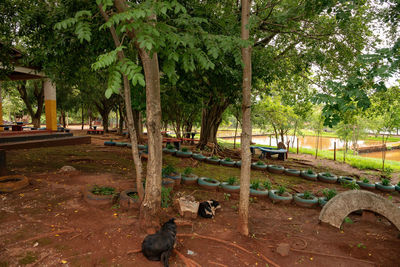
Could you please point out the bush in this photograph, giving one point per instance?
(169, 146)
(385, 182)
(103, 190)
(329, 193)
(365, 181)
(267, 184)
(184, 149)
(232, 180)
(328, 174)
(307, 195)
(228, 159)
(165, 197)
(255, 184)
(168, 170)
(214, 157)
(309, 171)
(187, 171)
(260, 163)
(281, 190)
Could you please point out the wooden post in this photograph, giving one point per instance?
(334, 150)
(297, 145)
(3, 167)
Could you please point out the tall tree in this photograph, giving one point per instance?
(245, 171)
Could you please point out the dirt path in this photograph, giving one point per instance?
(49, 223)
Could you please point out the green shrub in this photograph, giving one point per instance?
(214, 157)
(255, 184)
(351, 185)
(309, 171)
(281, 190)
(103, 190)
(385, 182)
(307, 195)
(232, 180)
(169, 146)
(187, 171)
(387, 173)
(267, 184)
(184, 149)
(165, 197)
(228, 159)
(260, 163)
(329, 193)
(328, 174)
(365, 181)
(398, 184)
(168, 170)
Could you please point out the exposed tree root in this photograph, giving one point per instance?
(134, 251)
(228, 243)
(330, 255)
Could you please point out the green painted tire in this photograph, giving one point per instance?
(259, 167)
(275, 198)
(276, 169)
(306, 203)
(397, 188)
(213, 161)
(309, 176)
(192, 179)
(175, 176)
(292, 172)
(322, 201)
(366, 186)
(199, 157)
(170, 151)
(327, 179)
(230, 188)
(109, 143)
(121, 144)
(142, 147)
(212, 185)
(385, 188)
(182, 154)
(259, 193)
(228, 163)
(238, 163)
(345, 179)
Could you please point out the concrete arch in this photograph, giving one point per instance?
(347, 202)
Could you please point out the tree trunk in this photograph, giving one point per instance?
(121, 117)
(63, 116)
(316, 147)
(210, 120)
(234, 140)
(104, 117)
(246, 125)
(83, 119)
(138, 124)
(39, 95)
(129, 116)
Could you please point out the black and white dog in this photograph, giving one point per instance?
(158, 246)
(207, 208)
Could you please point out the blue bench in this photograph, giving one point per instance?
(267, 152)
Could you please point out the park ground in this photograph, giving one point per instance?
(48, 223)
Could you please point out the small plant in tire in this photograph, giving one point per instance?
(103, 190)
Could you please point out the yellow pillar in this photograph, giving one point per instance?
(1, 110)
(50, 105)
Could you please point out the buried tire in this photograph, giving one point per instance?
(12, 183)
(129, 198)
(94, 199)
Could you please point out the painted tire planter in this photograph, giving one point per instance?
(276, 169)
(213, 161)
(397, 188)
(327, 179)
(109, 143)
(129, 145)
(169, 151)
(190, 179)
(230, 188)
(174, 176)
(345, 179)
(322, 201)
(292, 172)
(309, 176)
(385, 188)
(168, 182)
(12, 183)
(199, 157)
(306, 203)
(142, 147)
(286, 198)
(259, 167)
(259, 193)
(182, 154)
(227, 163)
(128, 202)
(121, 144)
(238, 163)
(367, 186)
(208, 183)
(96, 199)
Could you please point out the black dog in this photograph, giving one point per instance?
(158, 247)
(207, 208)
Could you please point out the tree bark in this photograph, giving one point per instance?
(210, 120)
(151, 204)
(39, 95)
(83, 118)
(129, 116)
(234, 140)
(246, 125)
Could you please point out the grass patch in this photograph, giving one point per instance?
(30, 257)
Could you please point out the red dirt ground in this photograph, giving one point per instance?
(49, 223)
